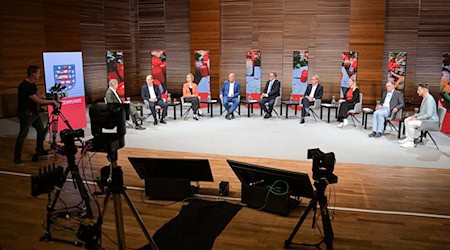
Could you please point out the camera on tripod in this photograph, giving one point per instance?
(323, 165)
(56, 93)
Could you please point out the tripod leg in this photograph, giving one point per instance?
(139, 220)
(118, 215)
(287, 243)
(83, 193)
(328, 229)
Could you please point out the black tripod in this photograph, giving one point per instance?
(68, 138)
(52, 123)
(319, 196)
(112, 179)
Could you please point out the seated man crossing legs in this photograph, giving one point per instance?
(391, 103)
(270, 93)
(314, 91)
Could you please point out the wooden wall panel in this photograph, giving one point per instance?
(433, 40)
(267, 36)
(236, 38)
(332, 37)
(402, 24)
(277, 28)
(28, 28)
(22, 42)
(205, 34)
(367, 37)
(151, 34)
(93, 41)
(177, 37)
(299, 34)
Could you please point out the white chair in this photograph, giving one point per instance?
(157, 108)
(356, 110)
(277, 103)
(230, 104)
(187, 105)
(428, 126)
(317, 105)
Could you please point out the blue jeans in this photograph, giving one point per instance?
(233, 100)
(379, 116)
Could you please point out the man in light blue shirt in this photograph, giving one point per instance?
(428, 111)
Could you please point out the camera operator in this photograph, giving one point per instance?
(27, 111)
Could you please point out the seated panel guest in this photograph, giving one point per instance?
(270, 93)
(230, 92)
(111, 96)
(351, 98)
(314, 91)
(428, 111)
(190, 94)
(391, 103)
(151, 95)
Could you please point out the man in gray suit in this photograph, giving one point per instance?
(111, 96)
(391, 103)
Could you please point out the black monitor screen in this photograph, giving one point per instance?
(190, 169)
(249, 174)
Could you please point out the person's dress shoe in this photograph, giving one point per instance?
(163, 121)
(155, 122)
(232, 115)
(403, 140)
(378, 135)
(196, 117)
(372, 134)
(307, 114)
(139, 127)
(267, 116)
(227, 116)
(19, 162)
(408, 144)
(302, 121)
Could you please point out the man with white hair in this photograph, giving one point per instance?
(229, 93)
(111, 96)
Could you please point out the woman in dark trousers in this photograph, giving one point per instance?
(190, 94)
(351, 97)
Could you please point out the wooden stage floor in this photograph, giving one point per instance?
(376, 192)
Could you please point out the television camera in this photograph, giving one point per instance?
(56, 93)
(322, 168)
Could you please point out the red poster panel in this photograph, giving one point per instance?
(253, 75)
(349, 68)
(397, 69)
(159, 69)
(202, 74)
(445, 91)
(114, 63)
(299, 75)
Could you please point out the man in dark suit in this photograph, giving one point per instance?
(111, 96)
(230, 92)
(391, 103)
(271, 91)
(151, 94)
(314, 91)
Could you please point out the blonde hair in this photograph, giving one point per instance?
(192, 76)
(354, 81)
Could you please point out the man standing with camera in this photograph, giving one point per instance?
(27, 111)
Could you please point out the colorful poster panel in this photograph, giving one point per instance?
(397, 69)
(159, 66)
(202, 74)
(299, 75)
(253, 75)
(445, 91)
(349, 68)
(65, 69)
(114, 64)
